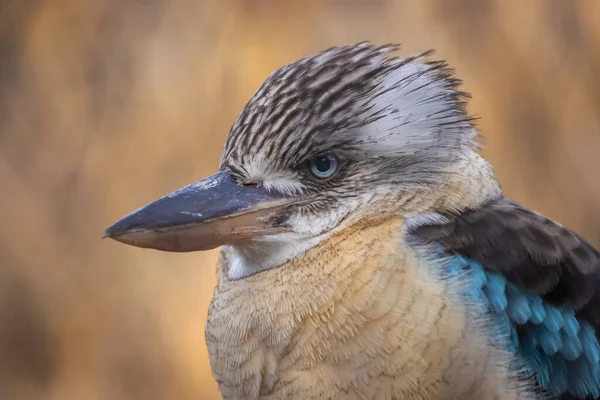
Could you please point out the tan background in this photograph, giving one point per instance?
(105, 105)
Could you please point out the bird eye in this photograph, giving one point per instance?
(324, 166)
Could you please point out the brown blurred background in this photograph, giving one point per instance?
(108, 104)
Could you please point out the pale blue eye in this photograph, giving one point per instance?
(324, 166)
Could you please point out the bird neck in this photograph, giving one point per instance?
(358, 314)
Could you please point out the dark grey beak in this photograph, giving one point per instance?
(204, 215)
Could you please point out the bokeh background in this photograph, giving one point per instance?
(108, 104)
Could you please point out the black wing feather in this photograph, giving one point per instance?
(528, 248)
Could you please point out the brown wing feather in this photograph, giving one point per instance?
(531, 250)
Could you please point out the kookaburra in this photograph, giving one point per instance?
(368, 250)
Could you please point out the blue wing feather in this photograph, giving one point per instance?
(561, 351)
(540, 288)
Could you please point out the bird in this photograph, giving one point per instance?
(368, 251)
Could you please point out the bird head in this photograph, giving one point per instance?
(345, 136)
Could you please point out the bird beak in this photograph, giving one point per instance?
(205, 215)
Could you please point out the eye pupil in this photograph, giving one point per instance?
(324, 166)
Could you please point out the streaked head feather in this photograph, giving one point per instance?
(397, 126)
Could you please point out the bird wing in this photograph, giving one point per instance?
(551, 291)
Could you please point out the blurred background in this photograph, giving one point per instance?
(107, 104)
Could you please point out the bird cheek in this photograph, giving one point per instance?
(314, 223)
